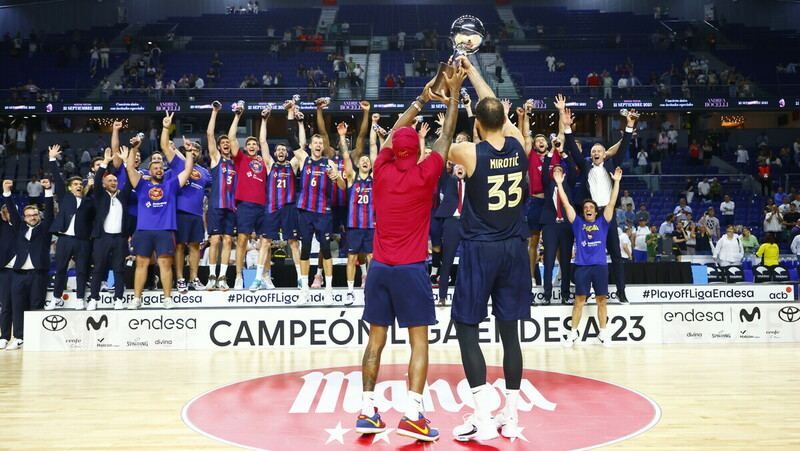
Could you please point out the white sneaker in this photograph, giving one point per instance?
(349, 298)
(238, 284)
(508, 425)
(267, 284)
(571, 339)
(104, 286)
(303, 298)
(51, 304)
(167, 303)
(222, 284)
(317, 281)
(135, 304)
(3, 343)
(119, 304)
(80, 305)
(91, 305)
(16, 344)
(604, 338)
(328, 298)
(472, 429)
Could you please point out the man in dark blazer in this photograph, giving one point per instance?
(73, 225)
(449, 212)
(596, 165)
(110, 243)
(556, 229)
(31, 260)
(8, 239)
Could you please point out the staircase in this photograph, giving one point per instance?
(327, 16)
(487, 62)
(506, 14)
(351, 92)
(373, 81)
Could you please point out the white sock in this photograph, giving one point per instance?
(259, 271)
(304, 282)
(329, 282)
(510, 410)
(297, 268)
(479, 394)
(212, 271)
(413, 405)
(368, 403)
(223, 270)
(533, 281)
(363, 267)
(319, 270)
(434, 271)
(350, 284)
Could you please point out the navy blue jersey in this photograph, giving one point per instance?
(495, 197)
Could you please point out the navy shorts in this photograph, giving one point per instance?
(401, 292)
(436, 231)
(594, 276)
(533, 210)
(496, 269)
(339, 218)
(145, 242)
(359, 241)
(311, 223)
(221, 221)
(249, 217)
(284, 220)
(190, 228)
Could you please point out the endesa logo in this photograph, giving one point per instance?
(320, 408)
(693, 315)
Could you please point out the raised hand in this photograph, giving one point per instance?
(341, 128)
(566, 117)
(288, 105)
(506, 105)
(167, 121)
(45, 184)
(561, 102)
(117, 125)
(266, 111)
(322, 102)
(617, 175)
(375, 118)
(135, 141)
(440, 119)
(8, 185)
(633, 115)
(558, 177)
(53, 151)
(108, 156)
(216, 105)
(464, 62)
(520, 111)
(364, 105)
(187, 144)
(423, 130)
(466, 100)
(124, 152)
(299, 116)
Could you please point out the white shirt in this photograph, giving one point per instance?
(727, 208)
(551, 61)
(673, 136)
(678, 214)
(113, 221)
(35, 189)
(71, 229)
(625, 201)
(600, 185)
(623, 241)
(729, 250)
(456, 214)
(199, 84)
(742, 156)
(574, 81)
(773, 224)
(640, 243)
(704, 188)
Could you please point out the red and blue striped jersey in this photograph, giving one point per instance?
(223, 183)
(338, 195)
(316, 186)
(280, 187)
(361, 215)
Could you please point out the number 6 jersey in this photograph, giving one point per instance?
(495, 197)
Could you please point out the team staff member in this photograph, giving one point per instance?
(191, 228)
(591, 269)
(122, 174)
(221, 214)
(155, 230)
(494, 258)
(251, 191)
(73, 225)
(110, 244)
(449, 212)
(7, 246)
(361, 213)
(31, 259)
(397, 286)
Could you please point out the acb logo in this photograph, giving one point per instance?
(155, 193)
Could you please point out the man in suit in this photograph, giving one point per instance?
(449, 212)
(110, 241)
(596, 184)
(73, 224)
(7, 248)
(31, 259)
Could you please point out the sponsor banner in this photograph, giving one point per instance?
(731, 323)
(638, 294)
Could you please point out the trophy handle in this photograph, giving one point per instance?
(439, 86)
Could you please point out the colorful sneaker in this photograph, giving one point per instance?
(571, 339)
(472, 429)
(317, 281)
(222, 284)
(182, 286)
(255, 285)
(349, 298)
(434, 281)
(417, 429)
(197, 285)
(509, 426)
(370, 425)
(212, 283)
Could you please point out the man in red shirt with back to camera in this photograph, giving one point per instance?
(397, 284)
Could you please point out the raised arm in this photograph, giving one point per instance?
(442, 145)
(481, 88)
(262, 138)
(183, 177)
(58, 181)
(524, 126)
(98, 175)
(115, 143)
(213, 152)
(13, 211)
(166, 122)
(620, 148)
(558, 176)
(609, 211)
(327, 150)
(49, 210)
(349, 172)
(373, 137)
(362, 132)
(232, 131)
(130, 165)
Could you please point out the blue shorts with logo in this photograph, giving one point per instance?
(533, 210)
(401, 292)
(359, 241)
(190, 228)
(496, 269)
(249, 217)
(284, 220)
(145, 242)
(221, 221)
(591, 276)
(312, 223)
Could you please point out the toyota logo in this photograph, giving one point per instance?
(789, 314)
(54, 323)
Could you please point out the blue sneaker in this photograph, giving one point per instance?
(370, 425)
(255, 285)
(419, 429)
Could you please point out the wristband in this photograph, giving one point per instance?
(628, 129)
(414, 104)
(567, 130)
(419, 99)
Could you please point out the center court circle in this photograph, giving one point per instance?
(316, 409)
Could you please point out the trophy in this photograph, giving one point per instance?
(467, 34)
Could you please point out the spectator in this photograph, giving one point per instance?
(593, 83)
(702, 241)
(691, 235)
(672, 139)
(35, 191)
(626, 199)
(749, 244)
(784, 204)
(641, 162)
(640, 242)
(708, 153)
(681, 210)
(667, 226)
(727, 209)
(762, 140)
(711, 222)
(625, 243)
(694, 153)
(715, 190)
(401, 40)
(679, 238)
(652, 243)
(769, 251)
(643, 214)
(791, 217)
(688, 192)
(729, 251)
(630, 216)
(778, 197)
(608, 84)
(654, 156)
(742, 158)
(773, 222)
(575, 82)
(551, 63)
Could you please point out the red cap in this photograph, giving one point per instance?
(405, 144)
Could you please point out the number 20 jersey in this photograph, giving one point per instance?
(496, 191)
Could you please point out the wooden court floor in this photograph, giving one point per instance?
(732, 396)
